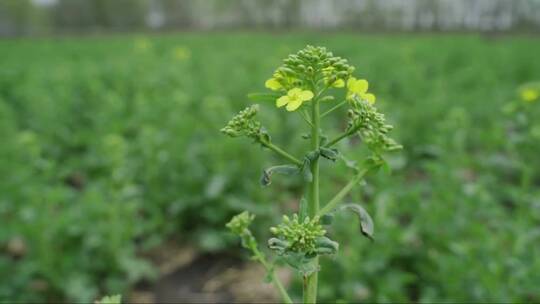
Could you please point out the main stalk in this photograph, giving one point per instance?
(310, 282)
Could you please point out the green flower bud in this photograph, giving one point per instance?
(299, 235)
(371, 126)
(243, 124)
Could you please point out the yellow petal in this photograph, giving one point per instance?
(338, 83)
(283, 100)
(294, 92)
(273, 84)
(350, 82)
(294, 104)
(369, 97)
(306, 95)
(529, 95)
(359, 86)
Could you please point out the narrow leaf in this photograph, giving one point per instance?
(303, 208)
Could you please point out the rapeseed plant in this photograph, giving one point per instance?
(301, 83)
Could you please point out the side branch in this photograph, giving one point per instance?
(281, 152)
(342, 193)
(339, 105)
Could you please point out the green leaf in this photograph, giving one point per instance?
(326, 246)
(278, 245)
(281, 169)
(308, 176)
(329, 153)
(306, 170)
(327, 219)
(306, 166)
(366, 223)
(302, 263)
(263, 96)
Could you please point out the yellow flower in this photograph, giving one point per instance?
(338, 83)
(359, 87)
(142, 44)
(280, 81)
(529, 95)
(273, 84)
(294, 99)
(182, 53)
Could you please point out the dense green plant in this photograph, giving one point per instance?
(523, 129)
(306, 80)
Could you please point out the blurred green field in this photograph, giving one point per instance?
(110, 146)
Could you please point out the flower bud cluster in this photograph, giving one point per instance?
(372, 127)
(311, 65)
(297, 235)
(243, 124)
(239, 223)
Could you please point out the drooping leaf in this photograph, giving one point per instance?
(281, 169)
(366, 223)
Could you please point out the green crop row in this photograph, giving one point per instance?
(109, 146)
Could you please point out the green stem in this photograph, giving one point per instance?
(338, 138)
(334, 108)
(277, 282)
(341, 194)
(310, 282)
(305, 117)
(281, 152)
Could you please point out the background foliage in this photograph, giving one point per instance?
(110, 146)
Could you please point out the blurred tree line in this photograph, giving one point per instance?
(27, 17)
